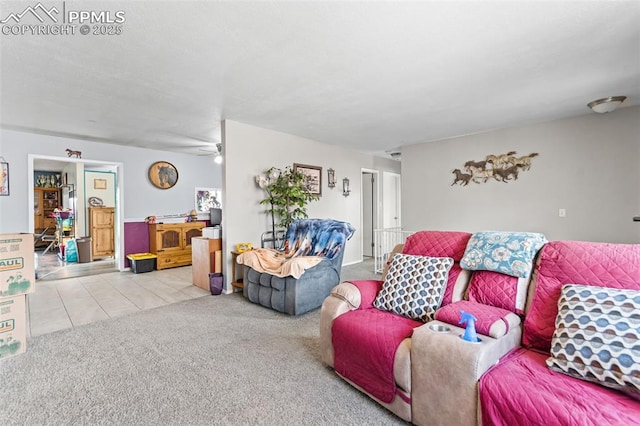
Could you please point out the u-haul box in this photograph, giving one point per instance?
(17, 274)
(13, 326)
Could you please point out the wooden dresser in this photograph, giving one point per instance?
(171, 242)
(101, 230)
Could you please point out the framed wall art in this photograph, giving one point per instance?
(99, 184)
(207, 199)
(313, 175)
(4, 178)
(163, 175)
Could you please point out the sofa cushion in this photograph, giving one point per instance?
(490, 321)
(414, 286)
(597, 336)
(569, 262)
(365, 343)
(437, 244)
(500, 290)
(520, 389)
(510, 253)
(456, 284)
(443, 244)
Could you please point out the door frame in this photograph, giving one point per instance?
(119, 216)
(376, 207)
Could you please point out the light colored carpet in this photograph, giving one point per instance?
(215, 360)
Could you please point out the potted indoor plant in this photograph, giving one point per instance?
(287, 195)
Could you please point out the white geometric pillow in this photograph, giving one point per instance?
(414, 286)
(597, 336)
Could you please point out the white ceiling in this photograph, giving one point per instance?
(370, 76)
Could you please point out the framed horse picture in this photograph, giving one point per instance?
(163, 175)
(207, 199)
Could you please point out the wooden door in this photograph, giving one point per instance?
(101, 225)
(102, 240)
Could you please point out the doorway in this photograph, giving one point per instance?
(391, 193)
(70, 177)
(369, 210)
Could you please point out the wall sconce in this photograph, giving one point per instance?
(345, 187)
(331, 178)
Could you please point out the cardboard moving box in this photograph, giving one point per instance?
(13, 326)
(17, 272)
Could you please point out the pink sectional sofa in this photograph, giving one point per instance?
(426, 374)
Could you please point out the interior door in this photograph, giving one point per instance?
(391, 189)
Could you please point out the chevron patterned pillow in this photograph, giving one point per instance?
(414, 286)
(597, 336)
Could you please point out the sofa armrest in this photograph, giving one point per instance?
(364, 295)
(445, 371)
(344, 297)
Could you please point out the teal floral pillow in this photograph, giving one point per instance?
(510, 253)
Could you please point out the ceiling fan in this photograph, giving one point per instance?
(213, 150)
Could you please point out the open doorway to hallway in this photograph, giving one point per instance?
(64, 195)
(380, 212)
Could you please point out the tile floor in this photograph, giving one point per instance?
(63, 303)
(50, 267)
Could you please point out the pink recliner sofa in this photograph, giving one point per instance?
(428, 375)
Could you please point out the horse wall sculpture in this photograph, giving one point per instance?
(503, 168)
(463, 178)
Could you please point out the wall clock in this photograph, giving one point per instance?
(163, 175)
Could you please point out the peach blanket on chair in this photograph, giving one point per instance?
(277, 263)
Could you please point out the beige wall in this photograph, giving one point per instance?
(588, 165)
(250, 150)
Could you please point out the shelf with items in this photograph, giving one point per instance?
(45, 201)
(236, 268)
(64, 233)
(43, 179)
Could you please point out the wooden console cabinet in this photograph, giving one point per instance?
(101, 230)
(171, 242)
